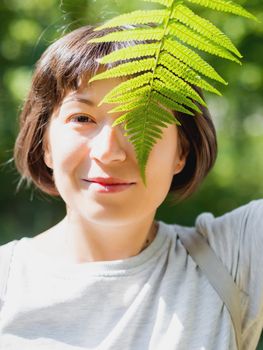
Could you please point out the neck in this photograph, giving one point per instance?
(89, 241)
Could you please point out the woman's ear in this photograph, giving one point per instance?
(183, 148)
(48, 159)
(179, 165)
(47, 152)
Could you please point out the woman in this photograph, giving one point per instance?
(109, 276)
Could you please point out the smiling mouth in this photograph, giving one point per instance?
(110, 184)
(102, 187)
(111, 181)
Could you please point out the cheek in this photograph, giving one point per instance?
(67, 150)
(163, 158)
(159, 171)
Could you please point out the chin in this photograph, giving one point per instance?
(103, 214)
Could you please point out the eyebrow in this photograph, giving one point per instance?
(79, 99)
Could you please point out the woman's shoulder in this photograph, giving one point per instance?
(253, 207)
(6, 253)
(238, 220)
(7, 246)
(45, 241)
(234, 234)
(237, 239)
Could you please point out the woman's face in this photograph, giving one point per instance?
(82, 144)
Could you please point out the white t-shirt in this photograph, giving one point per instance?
(157, 300)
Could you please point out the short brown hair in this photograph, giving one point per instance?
(59, 70)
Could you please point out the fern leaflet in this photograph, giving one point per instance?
(225, 6)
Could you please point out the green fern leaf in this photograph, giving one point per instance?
(192, 59)
(185, 72)
(143, 143)
(204, 27)
(126, 69)
(130, 105)
(172, 80)
(153, 108)
(136, 17)
(173, 95)
(135, 123)
(120, 120)
(143, 133)
(200, 42)
(128, 35)
(166, 69)
(154, 118)
(140, 50)
(157, 97)
(163, 115)
(129, 117)
(152, 132)
(167, 3)
(225, 6)
(127, 86)
(130, 95)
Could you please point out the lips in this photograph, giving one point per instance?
(109, 181)
(103, 186)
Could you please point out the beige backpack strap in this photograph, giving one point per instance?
(6, 253)
(216, 273)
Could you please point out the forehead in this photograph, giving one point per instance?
(91, 93)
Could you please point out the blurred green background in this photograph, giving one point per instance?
(27, 27)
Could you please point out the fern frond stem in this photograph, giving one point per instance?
(159, 49)
(158, 52)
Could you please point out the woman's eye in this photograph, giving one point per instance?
(81, 119)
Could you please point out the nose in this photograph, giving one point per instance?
(108, 145)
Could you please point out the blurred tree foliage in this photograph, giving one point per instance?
(27, 27)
